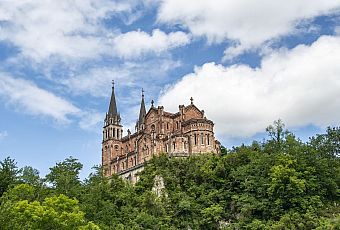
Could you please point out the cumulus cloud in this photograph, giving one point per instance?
(301, 86)
(29, 98)
(67, 29)
(247, 23)
(135, 44)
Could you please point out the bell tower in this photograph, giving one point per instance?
(112, 135)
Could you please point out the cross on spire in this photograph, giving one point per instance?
(113, 83)
(192, 100)
(143, 92)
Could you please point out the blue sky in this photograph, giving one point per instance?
(246, 63)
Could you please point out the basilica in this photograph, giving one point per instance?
(181, 134)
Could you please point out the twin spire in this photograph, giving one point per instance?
(114, 116)
(113, 113)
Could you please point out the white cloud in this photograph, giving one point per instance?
(91, 121)
(134, 75)
(248, 23)
(301, 86)
(337, 30)
(135, 44)
(96, 81)
(29, 98)
(67, 29)
(3, 134)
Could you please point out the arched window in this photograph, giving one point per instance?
(195, 139)
(167, 125)
(174, 145)
(177, 125)
(202, 139)
(208, 139)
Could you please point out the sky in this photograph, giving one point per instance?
(246, 63)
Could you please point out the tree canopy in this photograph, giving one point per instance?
(280, 183)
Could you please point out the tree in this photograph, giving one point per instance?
(56, 212)
(64, 177)
(327, 144)
(29, 175)
(8, 174)
(277, 131)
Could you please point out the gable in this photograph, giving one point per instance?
(151, 115)
(192, 111)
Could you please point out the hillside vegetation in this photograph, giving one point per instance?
(280, 183)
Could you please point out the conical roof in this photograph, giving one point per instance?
(113, 107)
(142, 111)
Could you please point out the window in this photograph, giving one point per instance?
(174, 145)
(167, 125)
(195, 138)
(208, 139)
(202, 139)
(114, 131)
(177, 125)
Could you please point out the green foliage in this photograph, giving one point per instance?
(56, 212)
(64, 177)
(30, 176)
(8, 174)
(281, 183)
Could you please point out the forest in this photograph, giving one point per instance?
(277, 183)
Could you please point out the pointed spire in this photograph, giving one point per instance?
(142, 111)
(113, 107)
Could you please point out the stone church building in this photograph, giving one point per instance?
(181, 134)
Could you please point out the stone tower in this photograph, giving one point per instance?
(112, 135)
